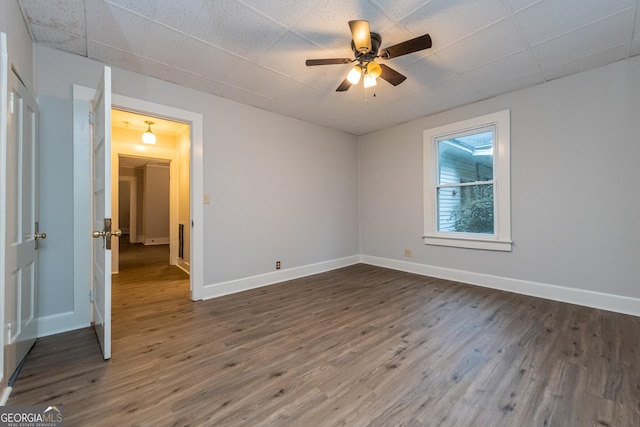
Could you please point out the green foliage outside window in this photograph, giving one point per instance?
(474, 214)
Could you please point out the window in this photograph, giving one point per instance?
(467, 191)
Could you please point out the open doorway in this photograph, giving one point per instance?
(150, 201)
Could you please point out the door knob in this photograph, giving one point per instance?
(106, 233)
(37, 235)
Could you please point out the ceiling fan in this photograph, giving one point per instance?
(365, 46)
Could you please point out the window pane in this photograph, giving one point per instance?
(448, 202)
(466, 209)
(466, 158)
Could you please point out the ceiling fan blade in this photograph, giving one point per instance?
(361, 35)
(329, 61)
(409, 46)
(391, 75)
(345, 85)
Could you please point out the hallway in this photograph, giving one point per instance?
(146, 288)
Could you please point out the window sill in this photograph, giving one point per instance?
(469, 243)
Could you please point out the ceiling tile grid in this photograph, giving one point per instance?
(254, 52)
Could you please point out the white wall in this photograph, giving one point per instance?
(281, 189)
(574, 184)
(18, 40)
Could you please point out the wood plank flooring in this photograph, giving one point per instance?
(358, 346)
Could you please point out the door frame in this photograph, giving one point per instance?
(81, 314)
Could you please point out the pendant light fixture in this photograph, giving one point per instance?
(148, 137)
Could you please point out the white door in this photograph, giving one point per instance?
(21, 226)
(101, 187)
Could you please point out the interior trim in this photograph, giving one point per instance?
(600, 300)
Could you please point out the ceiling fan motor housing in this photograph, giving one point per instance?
(376, 41)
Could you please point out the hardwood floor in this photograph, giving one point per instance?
(356, 346)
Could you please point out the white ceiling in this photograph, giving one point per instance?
(254, 51)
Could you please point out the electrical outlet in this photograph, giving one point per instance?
(408, 253)
(278, 265)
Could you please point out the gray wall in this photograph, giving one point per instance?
(281, 189)
(156, 204)
(575, 193)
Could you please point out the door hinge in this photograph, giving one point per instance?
(11, 102)
(92, 295)
(91, 119)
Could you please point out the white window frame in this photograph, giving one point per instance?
(501, 239)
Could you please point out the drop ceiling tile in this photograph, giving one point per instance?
(489, 91)
(636, 25)
(464, 99)
(288, 56)
(264, 82)
(517, 5)
(64, 15)
(108, 24)
(236, 28)
(450, 20)
(179, 15)
(145, 66)
(446, 90)
(398, 9)
(427, 71)
(212, 62)
(326, 78)
(312, 98)
(253, 51)
(328, 23)
(551, 18)
(428, 98)
(56, 39)
(237, 72)
(635, 47)
(239, 95)
(112, 26)
(581, 64)
(404, 109)
(488, 45)
(286, 12)
(114, 57)
(602, 35)
(514, 66)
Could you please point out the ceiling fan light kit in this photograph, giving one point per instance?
(365, 46)
(369, 81)
(355, 74)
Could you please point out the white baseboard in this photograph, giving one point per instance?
(156, 241)
(252, 282)
(5, 395)
(58, 323)
(610, 302)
